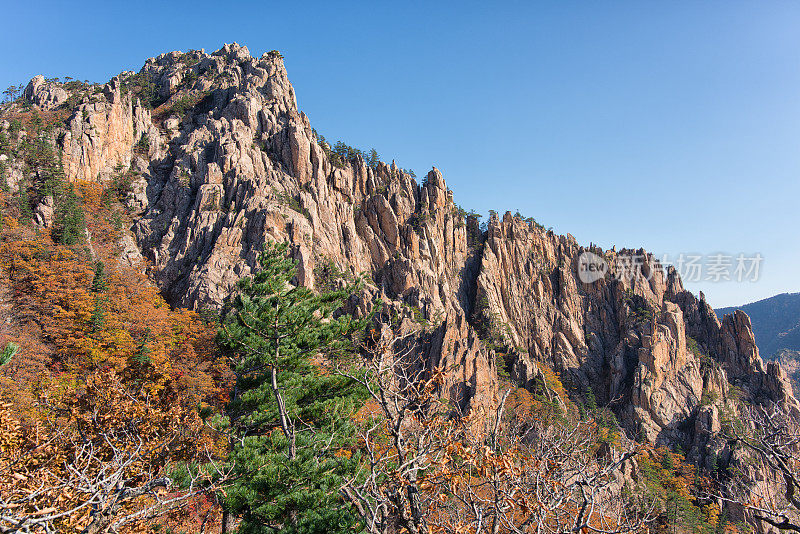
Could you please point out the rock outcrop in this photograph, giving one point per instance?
(224, 161)
(642, 345)
(44, 212)
(45, 95)
(248, 168)
(789, 360)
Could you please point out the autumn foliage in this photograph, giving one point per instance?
(102, 400)
(534, 466)
(96, 457)
(117, 411)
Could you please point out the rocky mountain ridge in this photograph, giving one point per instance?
(789, 360)
(221, 160)
(776, 322)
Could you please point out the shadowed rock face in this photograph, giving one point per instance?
(646, 347)
(230, 162)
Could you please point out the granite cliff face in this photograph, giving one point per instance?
(241, 165)
(776, 323)
(226, 161)
(789, 360)
(649, 349)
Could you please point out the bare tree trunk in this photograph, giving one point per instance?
(226, 522)
(287, 425)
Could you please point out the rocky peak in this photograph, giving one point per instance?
(789, 360)
(222, 160)
(43, 94)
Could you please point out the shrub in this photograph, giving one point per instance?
(143, 145)
(709, 397)
(418, 220)
(189, 58)
(328, 276)
(667, 482)
(489, 328)
(294, 203)
(121, 186)
(185, 103)
(142, 86)
(474, 234)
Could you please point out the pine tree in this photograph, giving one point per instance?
(98, 318)
(68, 220)
(142, 355)
(591, 401)
(99, 284)
(373, 158)
(291, 421)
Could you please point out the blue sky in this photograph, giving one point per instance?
(673, 126)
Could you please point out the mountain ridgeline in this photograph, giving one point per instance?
(217, 160)
(776, 323)
(776, 327)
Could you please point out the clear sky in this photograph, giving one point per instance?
(673, 126)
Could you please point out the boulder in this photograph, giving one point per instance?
(44, 212)
(44, 95)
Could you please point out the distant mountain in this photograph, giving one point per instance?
(776, 323)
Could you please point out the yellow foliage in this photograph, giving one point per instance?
(711, 513)
(102, 434)
(552, 380)
(128, 327)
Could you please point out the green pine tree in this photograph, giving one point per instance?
(291, 422)
(373, 158)
(98, 318)
(8, 352)
(99, 284)
(591, 401)
(142, 355)
(68, 220)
